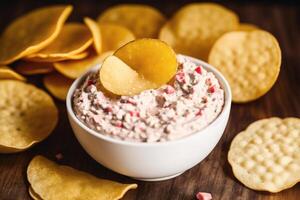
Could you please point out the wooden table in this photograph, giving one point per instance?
(214, 173)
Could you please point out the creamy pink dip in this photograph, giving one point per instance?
(186, 106)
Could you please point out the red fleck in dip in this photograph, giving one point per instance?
(204, 196)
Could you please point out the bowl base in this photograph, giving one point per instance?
(159, 178)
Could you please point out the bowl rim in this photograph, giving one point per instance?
(227, 105)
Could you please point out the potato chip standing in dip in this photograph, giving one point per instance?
(152, 58)
(32, 32)
(137, 66)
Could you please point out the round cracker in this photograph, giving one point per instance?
(144, 21)
(114, 36)
(74, 69)
(32, 32)
(195, 27)
(73, 39)
(96, 33)
(32, 68)
(8, 73)
(266, 156)
(250, 61)
(27, 116)
(57, 85)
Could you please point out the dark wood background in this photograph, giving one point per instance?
(214, 173)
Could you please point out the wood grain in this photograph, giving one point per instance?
(214, 173)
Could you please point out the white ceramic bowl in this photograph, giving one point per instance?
(151, 161)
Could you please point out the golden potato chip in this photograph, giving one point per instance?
(144, 21)
(266, 156)
(153, 59)
(51, 181)
(57, 85)
(57, 59)
(95, 31)
(250, 61)
(32, 32)
(73, 69)
(32, 68)
(8, 73)
(195, 27)
(73, 39)
(114, 36)
(118, 78)
(27, 116)
(246, 27)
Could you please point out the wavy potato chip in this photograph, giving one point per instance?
(118, 78)
(153, 59)
(57, 59)
(96, 33)
(144, 21)
(195, 27)
(32, 32)
(57, 85)
(114, 36)
(32, 68)
(73, 39)
(266, 156)
(51, 181)
(250, 61)
(8, 73)
(247, 27)
(137, 66)
(24, 109)
(74, 69)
